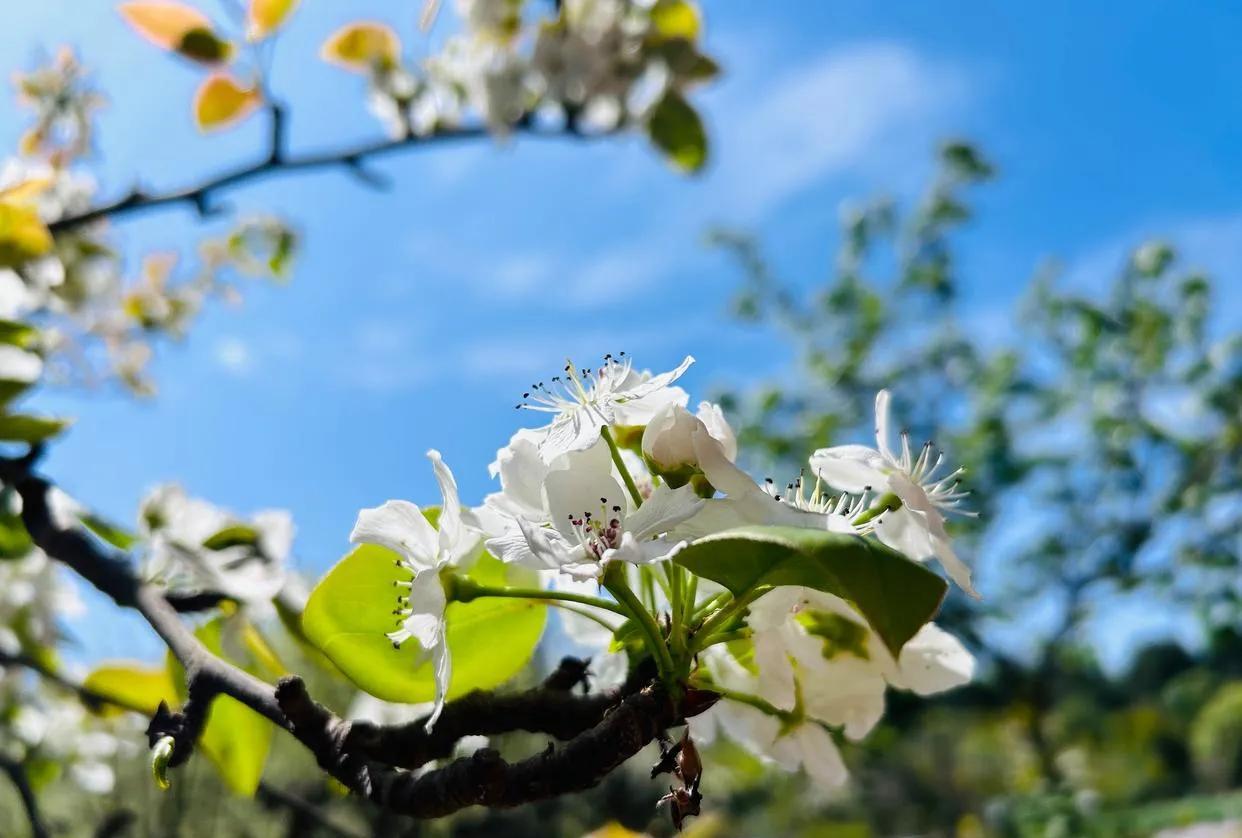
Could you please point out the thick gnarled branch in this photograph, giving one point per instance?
(603, 730)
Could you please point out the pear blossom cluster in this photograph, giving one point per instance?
(619, 479)
(601, 64)
(191, 545)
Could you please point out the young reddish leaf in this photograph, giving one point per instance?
(163, 23)
(362, 45)
(221, 101)
(266, 16)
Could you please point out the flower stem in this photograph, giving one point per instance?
(722, 616)
(465, 590)
(747, 698)
(620, 464)
(614, 581)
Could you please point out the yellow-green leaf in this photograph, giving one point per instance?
(362, 46)
(235, 739)
(675, 129)
(23, 235)
(676, 19)
(350, 611)
(266, 16)
(23, 428)
(132, 685)
(222, 101)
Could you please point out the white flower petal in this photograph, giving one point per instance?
(819, 757)
(933, 661)
(849, 468)
(400, 526)
(578, 492)
(662, 511)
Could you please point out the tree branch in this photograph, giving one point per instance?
(276, 161)
(17, 776)
(606, 730)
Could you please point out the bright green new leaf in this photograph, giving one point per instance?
(135, 686)
(236, 739)
(22, 428)
(895, 595)
(675, 19)
(117, 536)
(23, 235)
(17, 333)
(232, 536)
(350, 611)
(676, 129)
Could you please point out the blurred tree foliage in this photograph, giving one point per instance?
(1101, 427)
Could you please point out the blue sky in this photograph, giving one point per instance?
(417, 316)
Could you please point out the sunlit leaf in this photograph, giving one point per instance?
(266, 16)
(163, 23)
(132, 685)
(676, 129)
(222, 101)
(676, 19)
(236, 739)
(350, 611)
(23, 428)
(118, 537)
(894, 594)
(23, 235)
(362, 46)
(234, 535)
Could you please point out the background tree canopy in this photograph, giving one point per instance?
(260, 255)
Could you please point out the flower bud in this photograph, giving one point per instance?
(668, 445)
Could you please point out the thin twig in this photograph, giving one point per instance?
(17, 776)
(276, 161)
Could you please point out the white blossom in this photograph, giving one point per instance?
(401, 527)
(921, 482)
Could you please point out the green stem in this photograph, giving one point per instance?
(465, 590)
(725, 637)
(677, 637)
(620, 464)
(692, 591)
(722, 617)
(748, 698)
(614, 581)
(582, 612)
(708, 604)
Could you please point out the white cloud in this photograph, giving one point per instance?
(853, 107)
(233, 355)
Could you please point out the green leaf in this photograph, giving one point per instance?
(675, 19)
(350, 611)
(236, 535)
(24, 428)
(675, 129)
(135, 686)
(14, 540)
(895, 595)
(118, 537)
(17, 333)
(235, 739)
(203, 45)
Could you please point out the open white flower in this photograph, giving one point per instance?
(917, 527)
(585, 400)
(401, 527)
(747, 502)
(791, 743)
(587, 521)
(814, 647)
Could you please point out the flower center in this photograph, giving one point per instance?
(598, 531)
(578, 387)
